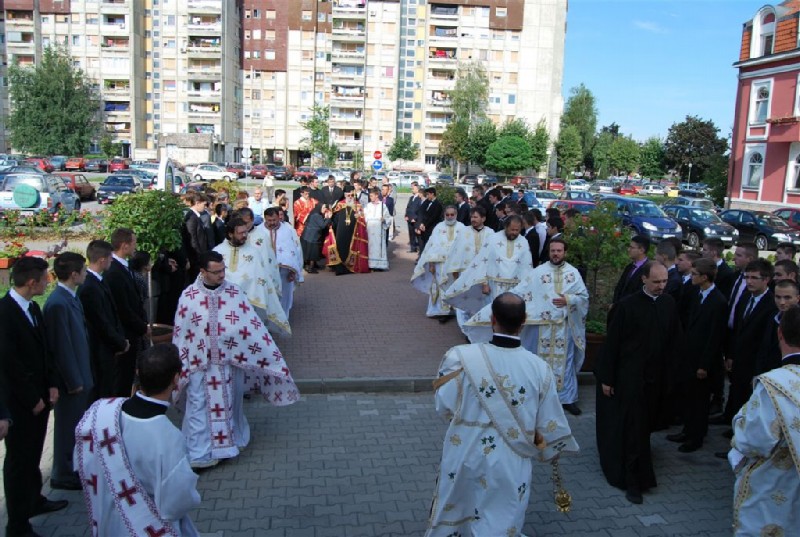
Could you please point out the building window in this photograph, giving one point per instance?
(795, 174)
(512, 99)
(760, 104)
(269, 54)
(256, 95)
(500, 11)
(306, 16)
(269, 35)
(755, 170)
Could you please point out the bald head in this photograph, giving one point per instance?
(508, 314)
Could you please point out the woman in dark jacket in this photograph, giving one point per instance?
(313, 236)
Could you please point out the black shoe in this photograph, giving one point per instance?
(573, 409)
(411, 251)
(444, 318)
(66, 484)
(689, 447)
(721, 455)
(49, 506)
(634, 496)
(719, 420)
(312, 270)
(678, 437)
(728, 434)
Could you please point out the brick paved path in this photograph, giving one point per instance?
(364, 464)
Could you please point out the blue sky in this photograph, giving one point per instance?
(650, 63)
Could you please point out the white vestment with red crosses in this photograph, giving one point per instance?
(136, 478)
(216, 331)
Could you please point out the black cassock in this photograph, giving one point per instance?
(343, 224)
(641, 344)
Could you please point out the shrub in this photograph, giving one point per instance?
(155, 216)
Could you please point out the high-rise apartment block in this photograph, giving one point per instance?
(244, 76)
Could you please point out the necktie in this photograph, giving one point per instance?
(736, 294)
(701, 297)
(750, 306)
(32, 314)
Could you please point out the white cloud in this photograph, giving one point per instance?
(649, 26)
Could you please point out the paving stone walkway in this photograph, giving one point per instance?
(359, 463)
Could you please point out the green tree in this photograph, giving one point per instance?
(651, 158)
(515, 127)
(716, 177)
(318, 141)
(470, 96)
(600, 154)
(454, 141)
(580, 112)
(693, 141)
(154, 215)
(109, 148)
(403, 149)
(358, 159)
(482, 136)
(539, 141)
(54, 106)
(568, 149)
(624, 155)
(508, 155)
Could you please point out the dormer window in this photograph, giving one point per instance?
(762, 41)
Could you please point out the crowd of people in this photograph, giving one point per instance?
(682, 327)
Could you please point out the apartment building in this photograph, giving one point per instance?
(385, 67)
(247, 74)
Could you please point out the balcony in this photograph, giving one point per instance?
(115, 45)
(117, 92)
(117, 28)
(204, 26)
(204, 50)
(121, 7)
(203, 111)
(206, 96)
(349, 9)
(348, 56)
(346, 122)
(118, 128)
(446, 58)
(204, 73)
(443, 14)
(19, 23)
(784, 129)
(207, 6)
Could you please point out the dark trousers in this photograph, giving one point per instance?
(22, 480)
(696, 402)
(67, 413)
(717, 380)
(739, 392)
(125, 368)
(104, 371)
(413, 243)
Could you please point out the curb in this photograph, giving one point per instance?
(384, 385)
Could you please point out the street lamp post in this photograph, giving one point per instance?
(689, 179)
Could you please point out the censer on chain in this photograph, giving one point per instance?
(562, 498)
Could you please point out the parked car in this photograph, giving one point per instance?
(31, 193)
(118, 164)
(764, 229)
(322, 173)
(39, 162)
(58, 162)
(444, 179)
(702, 203)
(580, 205)
(281, 173)
(539, 199)
(237, 169)
(211, 172)
(602, 187)
(643, 217)
(699, 224)
(304, 171)
(789, 215)
(556, 186)
(578, 195)
(79, 184)
(653, 190)
(75, 164)
(625, 189)
(117, 185)
(98, 165)
(692, 193)
(258, 171)
(578, 185)
(469, 179)
(146, 177)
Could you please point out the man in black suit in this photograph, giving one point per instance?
(754, 315)
(787, 295)
(129, 307)
(492, 220)
(532, 236)
(714, 249)
(411, 217)
(463, 207)
(666, 254)
(194, 233)
(430, 214)
(106, 335)
(630, 281)
(32, 381)
(704, 336)
(688, 289)
(331, 194)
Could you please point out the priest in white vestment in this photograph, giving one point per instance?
(467, 246)
(131, 459)
(284, 244)
(504, 412)
(429, 275)
(248, 264)
(259, 237)
(766, 445)
(504, 260)
(378, 220)
(218, 332)
(557, 302)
